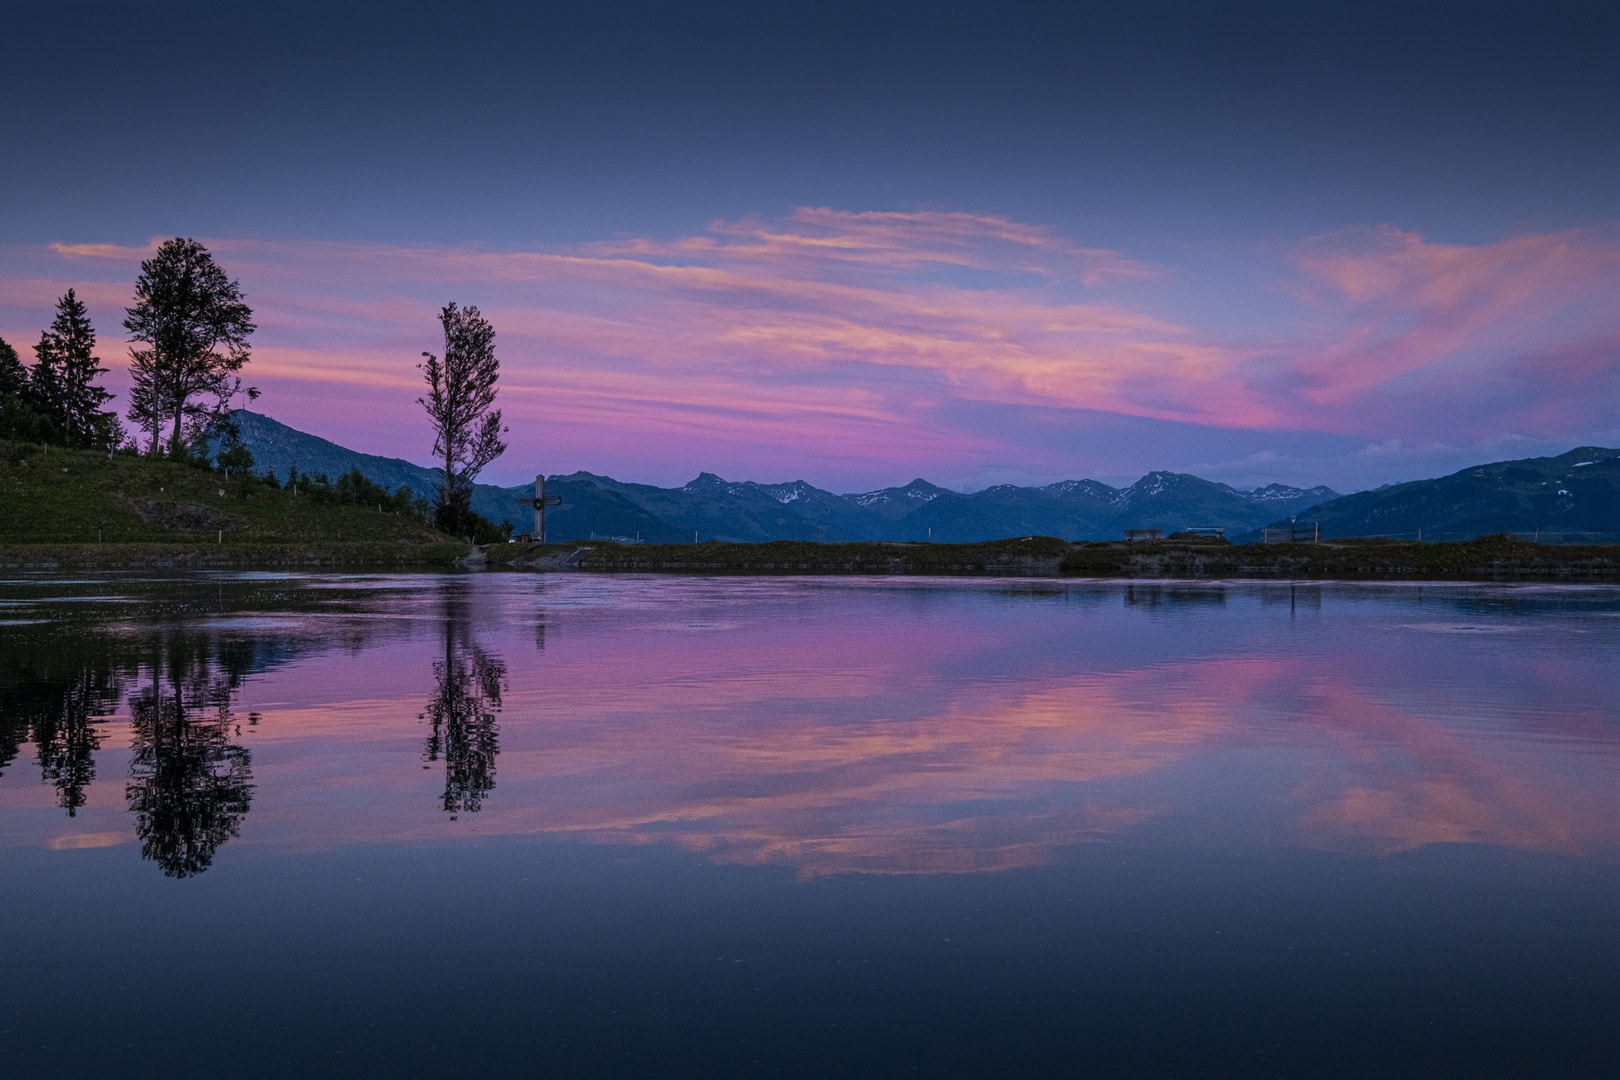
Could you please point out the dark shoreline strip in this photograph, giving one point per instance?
(1492, 558)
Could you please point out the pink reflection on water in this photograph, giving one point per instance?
(903, 736)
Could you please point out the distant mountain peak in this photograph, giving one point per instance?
(1284, 493)
(918, 491)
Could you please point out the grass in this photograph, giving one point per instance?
(58, 504)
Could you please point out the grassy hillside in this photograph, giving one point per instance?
(56, 496)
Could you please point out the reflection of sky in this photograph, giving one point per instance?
(921, 728)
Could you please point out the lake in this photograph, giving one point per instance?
(609, 826)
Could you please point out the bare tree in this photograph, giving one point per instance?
(195, 324)
(461, 402)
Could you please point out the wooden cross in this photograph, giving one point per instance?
(540, 501)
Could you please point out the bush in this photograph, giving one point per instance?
(353, 489)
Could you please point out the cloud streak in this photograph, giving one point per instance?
(834, 334)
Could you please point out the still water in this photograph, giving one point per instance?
(568, 825)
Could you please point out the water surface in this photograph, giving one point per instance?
(569, 825)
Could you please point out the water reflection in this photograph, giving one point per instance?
(54, 695)
(837, 728)
(57, 704)
(190, 785)
(168, 690)
(467, 695)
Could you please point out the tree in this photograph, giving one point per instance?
(13, 376)
(461, 403)
(20, 418)
(64, 375)
(195, 325)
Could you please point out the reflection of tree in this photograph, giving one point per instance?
(190, 785)
(466, 698)
(67, 737)
(55, 697)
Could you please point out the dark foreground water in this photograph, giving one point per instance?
(511, 825)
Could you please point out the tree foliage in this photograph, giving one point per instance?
(461, 403)
(20, 419)
(195, 326)
(13, 376)
(63, 379)
(353, 488)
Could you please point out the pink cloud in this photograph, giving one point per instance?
(1453, 318)
(838, 332)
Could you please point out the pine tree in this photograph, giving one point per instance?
(19, 419)
(64, 376)
(13, 376)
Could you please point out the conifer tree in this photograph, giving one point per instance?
(13, 376)
(64, 376)
(20, 415)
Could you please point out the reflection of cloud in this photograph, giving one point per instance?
(828, 771)
(850, 761)
(81, 841)
(905, 795)
(1409, 780)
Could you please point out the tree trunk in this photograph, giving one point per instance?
(449, 493)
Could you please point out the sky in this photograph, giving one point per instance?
(1341, 243)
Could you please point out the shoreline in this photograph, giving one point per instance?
(228, 556)
(1495, 558)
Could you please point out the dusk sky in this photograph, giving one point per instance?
(853, 244)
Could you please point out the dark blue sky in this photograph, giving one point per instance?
(538, 123)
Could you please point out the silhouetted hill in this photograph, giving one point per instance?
(277, 448)
(1571, 498)
(712, 508)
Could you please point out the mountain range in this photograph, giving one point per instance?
(711, 508)
(1573, 497)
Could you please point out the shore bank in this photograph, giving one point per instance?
(1493, 558)
(200, 556)
(1486, 559)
